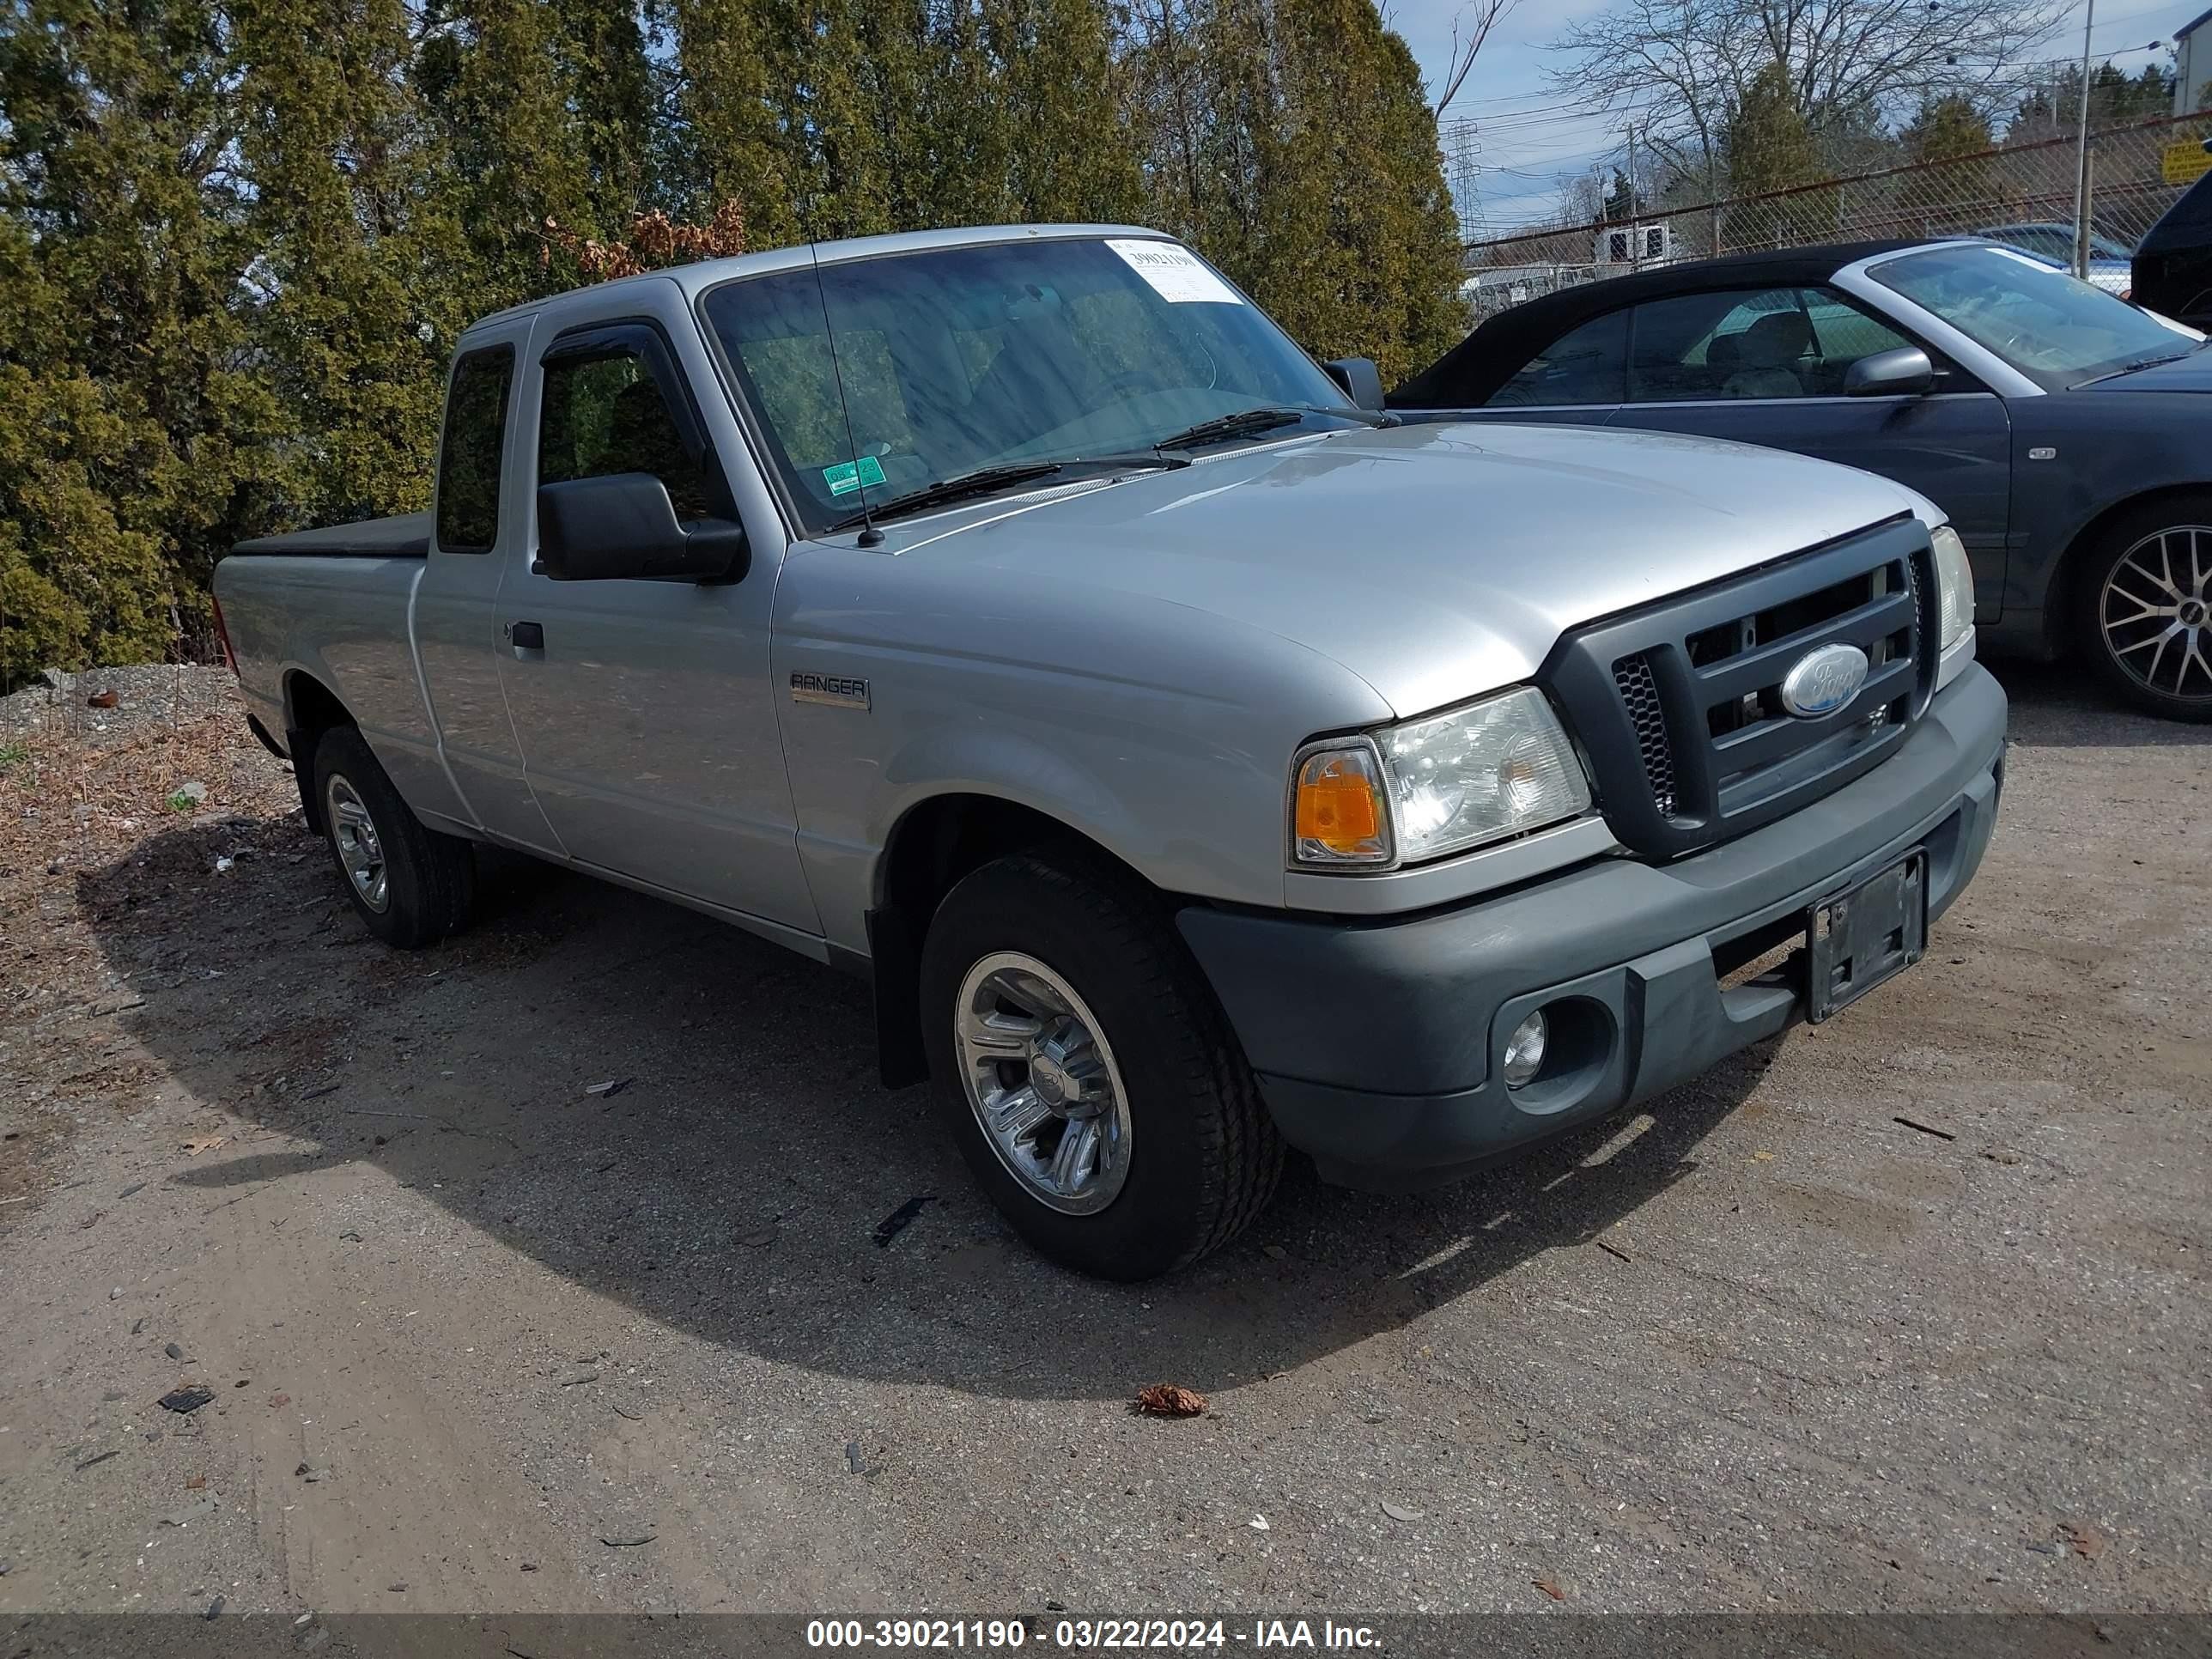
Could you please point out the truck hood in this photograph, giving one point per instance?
(1436, 561)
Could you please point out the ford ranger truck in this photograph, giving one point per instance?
(1196, 763)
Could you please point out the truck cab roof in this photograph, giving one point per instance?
(703, 274)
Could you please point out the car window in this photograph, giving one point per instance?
(2035, 238)
(1585, 365)
(941, 361)
(603, 413)
(1751, 343)
(2056, 330)
(468, 463)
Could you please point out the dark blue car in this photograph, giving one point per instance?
(2067, 435)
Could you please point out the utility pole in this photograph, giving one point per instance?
(1635, 230)
(2081, 161)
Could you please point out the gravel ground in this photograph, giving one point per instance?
(472, 1328)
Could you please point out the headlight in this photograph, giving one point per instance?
(1429, 787)
(1955, 581)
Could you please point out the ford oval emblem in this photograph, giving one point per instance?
(1823, 681)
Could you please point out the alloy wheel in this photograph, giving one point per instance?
(2155, 612)
(1043, 1084)
(361, 849)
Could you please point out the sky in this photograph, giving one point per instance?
(1529, 138)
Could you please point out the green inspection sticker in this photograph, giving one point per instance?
(846, 479)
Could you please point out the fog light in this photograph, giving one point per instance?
(1524, 1051)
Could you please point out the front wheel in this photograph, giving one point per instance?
(409, 883)
(1081, 1063)
(2151, 623)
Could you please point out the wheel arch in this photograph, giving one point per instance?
(311, 709)
(934, 842)
(2062, 600)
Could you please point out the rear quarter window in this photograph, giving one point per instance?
(469, 460)
(1586, 365)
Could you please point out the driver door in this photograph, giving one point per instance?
(648, 732)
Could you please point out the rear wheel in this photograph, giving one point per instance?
(1081, 1063)
(411, 885)
(2149, 625)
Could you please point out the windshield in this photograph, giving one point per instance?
(2056, 330)
(953, 360)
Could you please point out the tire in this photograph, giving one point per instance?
(1183, 1155)
(415, 885)
(2146, 615)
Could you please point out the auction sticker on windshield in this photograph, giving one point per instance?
(1176, 274)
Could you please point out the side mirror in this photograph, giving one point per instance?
(624, 526)
(1361, 380)
(1902, 372)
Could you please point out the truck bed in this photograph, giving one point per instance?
(404, 536)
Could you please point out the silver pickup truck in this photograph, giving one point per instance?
(1193, 761)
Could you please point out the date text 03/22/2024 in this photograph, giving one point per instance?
(1092, 1635)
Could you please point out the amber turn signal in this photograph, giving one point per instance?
(1338, 816)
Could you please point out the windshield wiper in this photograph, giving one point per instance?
(1266, 418)
(981, 482)
(2139, 364)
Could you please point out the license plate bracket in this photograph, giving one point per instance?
(1858, 939)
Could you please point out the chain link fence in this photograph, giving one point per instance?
(2021, 194)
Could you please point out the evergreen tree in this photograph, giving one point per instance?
(1767, 142)
(1947, 128)
(1293, 143)
(131, 423)
(729, 142)
(547, 110)
(355, 295)
(1768, 148)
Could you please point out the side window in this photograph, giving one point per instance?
(1759, 343)
(1585, 365)
(1842, 334)
(1696, 347)
(602, 412)
(468, 465)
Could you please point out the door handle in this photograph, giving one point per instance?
(526, 635)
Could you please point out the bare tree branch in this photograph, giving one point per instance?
(1475, 23)
(1684, 64)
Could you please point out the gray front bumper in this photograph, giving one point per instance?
(1374, 1040)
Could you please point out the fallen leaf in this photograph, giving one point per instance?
(1549, 1588)
(199, 1144)
(105, 699)
(1764, 1157)
(759, 1241)
(1258, 1524)
(2088, 1543)
(1398, 1511)
(194, 1483)
(1166, 1400)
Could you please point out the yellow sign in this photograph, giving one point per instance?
(2186, 162)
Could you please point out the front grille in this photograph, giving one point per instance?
(1639, 695)
(1679, 706)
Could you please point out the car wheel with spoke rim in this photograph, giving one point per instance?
(1042, 1082)
(1080, 1060)
(2149, 625)
(410, 885)
(360, 848)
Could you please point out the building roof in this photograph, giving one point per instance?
(2188, 29)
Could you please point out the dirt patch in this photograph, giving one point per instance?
(1758, 1347)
